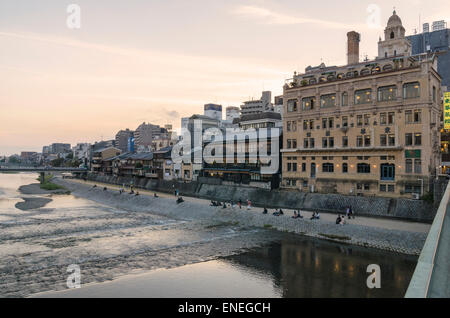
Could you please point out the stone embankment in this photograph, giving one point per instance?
(394, 208)
(393, 240)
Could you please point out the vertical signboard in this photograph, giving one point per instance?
(447, 110)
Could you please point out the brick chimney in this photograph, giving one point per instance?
(353, 39)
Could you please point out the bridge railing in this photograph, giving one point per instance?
(420, 282)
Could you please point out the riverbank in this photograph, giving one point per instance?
(401, 241)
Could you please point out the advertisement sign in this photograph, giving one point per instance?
(447, 110)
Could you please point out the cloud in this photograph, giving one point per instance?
(275, 18)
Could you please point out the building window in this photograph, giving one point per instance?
(324, 123)
(391, 118)
(383, 140)
(359, 141)
(305, 125)
(331, 142)
(328, 167)
(366, 120)
(387, 172)
(411, 90)
(359, 120)
(408, 166)
(294, 126)
(408, 140)
(344, 141)
(330, 123)
(324, 142)
(382, 188)
(418, 139)
(308, 103)
(327, 101)
(387, 93)
(383, 119)
(292, 105)
(434, 93)
(288, 126)
(411, 188)
(344, 122)
(417, 166)
(367, 141)
(391, 140)
(363, 168)
(311, 124)
(363, 96)
(417, 116)
(345, 168)
(305, 143)
(344, 99)
(303, 167)
(391, 188)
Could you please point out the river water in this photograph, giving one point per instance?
(131, 254)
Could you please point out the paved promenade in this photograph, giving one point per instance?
(390, 224)
(392, 235)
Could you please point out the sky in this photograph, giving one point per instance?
(156, 61)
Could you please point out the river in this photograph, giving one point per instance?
(133, 254)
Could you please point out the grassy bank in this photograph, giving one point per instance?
(48, 185)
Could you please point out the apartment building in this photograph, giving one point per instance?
(366, 128)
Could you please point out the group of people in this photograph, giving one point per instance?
(297, 214)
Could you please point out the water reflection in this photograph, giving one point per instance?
(303, 267)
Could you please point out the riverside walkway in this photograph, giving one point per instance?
(431, 278)
(389, 224)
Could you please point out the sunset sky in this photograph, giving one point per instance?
(160, 60)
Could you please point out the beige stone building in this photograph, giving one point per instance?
(366, 128)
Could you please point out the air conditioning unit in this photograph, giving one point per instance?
(416, 196)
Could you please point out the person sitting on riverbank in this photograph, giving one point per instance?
(132, 191)
(315, 216)
(95, 186)
(224, 205)
(155, 195)
(105, 188)
(240, 204)
(278, 213)
(265, 211)
(180, 200)
(295, 215)
(338, 220)
(137, 193)
(249, 205)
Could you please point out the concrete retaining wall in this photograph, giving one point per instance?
(415, 210)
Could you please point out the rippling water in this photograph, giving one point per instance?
(174, 258)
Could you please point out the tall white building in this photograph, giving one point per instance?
(232, 112)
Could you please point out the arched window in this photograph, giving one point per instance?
(312, 81)
(365, 71)
(340, 76)
(330, 78)
(349, 75)
(388, 67)
(392, 35)
(322, 79)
